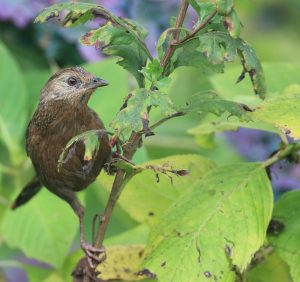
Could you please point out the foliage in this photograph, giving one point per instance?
(208, 211)
(284, 239)
(185, 217)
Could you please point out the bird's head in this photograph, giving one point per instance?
(74, 85)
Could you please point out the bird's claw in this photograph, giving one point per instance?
(93, 254)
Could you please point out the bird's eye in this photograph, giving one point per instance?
(72, 81)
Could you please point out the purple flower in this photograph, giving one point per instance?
(254, 145)
(21, 12)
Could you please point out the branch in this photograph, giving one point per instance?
(180, 19)
(196, 30)
(178, 114)
(118, 185)
(176, 42)
(129, 149)
(282, 154)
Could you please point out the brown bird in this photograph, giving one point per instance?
(62, 114)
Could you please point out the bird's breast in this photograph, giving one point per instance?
(45, 145)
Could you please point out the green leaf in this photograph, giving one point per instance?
(253, 67)
(243, 92)
(161, 41)
(54, 277)
(39, 228)
(233, 24)
(118, 37)
(76, 10)
(272, 268)
(202, 225)
(210, 125)
(283, 111)
(207, 9)
(91, 142)
(153, 70)
(134, 116)
(13, 96)
(195, 5)
(218, 47)
(153, 76)
(35, 81)
(189, 55)
(210, 102)
(136, 235)
(152, 198)
(286, 241)
(224, 7)
(165, 39)
(116, 41)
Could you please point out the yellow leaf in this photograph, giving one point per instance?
(122, 263)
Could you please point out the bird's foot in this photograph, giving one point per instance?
(93, 254)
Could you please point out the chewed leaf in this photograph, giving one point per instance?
(134, 115)
(76, 11)
(218, 47)
(118, 37)
(210, 102)
(122, 263)
(212, 49)
(201, 226)
(114, 40)
(233, 24)
(153, 192)
(91, 142)
(253, 67)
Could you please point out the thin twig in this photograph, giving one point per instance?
(196, 30)
(180, 19)
(282, 154)
(132, 145)
(118, 185)
(178, 114)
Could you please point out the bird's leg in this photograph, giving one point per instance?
(92, 253)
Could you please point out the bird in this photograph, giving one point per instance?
(62, 114)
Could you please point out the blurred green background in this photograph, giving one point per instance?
(30, 53)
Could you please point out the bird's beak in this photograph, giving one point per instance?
(96, 82)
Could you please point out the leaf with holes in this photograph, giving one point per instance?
(202, 226)
(76, 12)
(119, 37)
(135, 117)
(212, 125)
(91, 142)
(152, 195)
(218, 47)
(212, 49)
(253, 67)
(116, 41)
(286, 240)
(122, 263)
(210, 102)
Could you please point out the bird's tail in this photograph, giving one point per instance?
(32, 188)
